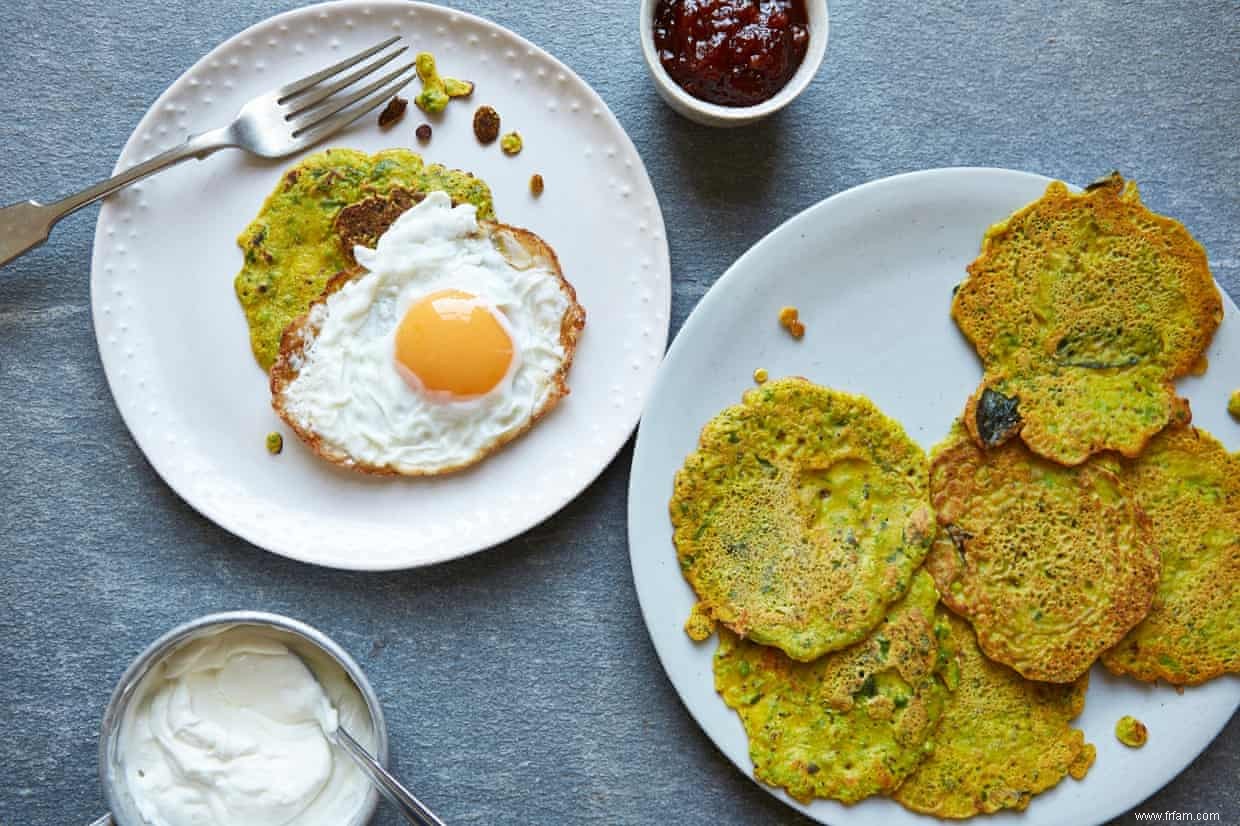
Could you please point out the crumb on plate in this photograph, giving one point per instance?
(511, 143)
(789, 319)
(437, 90)
(486, 124)
(458, 88)
(760, 375)
(536, 184)
(393, 112)
(1131, 732)
(275, 443)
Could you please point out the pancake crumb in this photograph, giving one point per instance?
(536, 185)
(1131, 732)
(437, 89)
(511, 143)
(760, 375)
(275, 443)
(789, 319)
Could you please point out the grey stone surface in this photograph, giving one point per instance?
(520, 684)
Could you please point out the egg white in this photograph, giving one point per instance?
(348, 389)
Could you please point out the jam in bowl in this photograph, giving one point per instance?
(735, 53)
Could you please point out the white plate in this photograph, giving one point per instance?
(871, 270)
(173, 339)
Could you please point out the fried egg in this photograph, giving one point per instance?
(452, 338)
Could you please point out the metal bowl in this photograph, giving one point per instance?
(310, 642)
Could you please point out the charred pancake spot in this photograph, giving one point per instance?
(362, 223)
(1111, 179)
(998, 418)
(958, 535)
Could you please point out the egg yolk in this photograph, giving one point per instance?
(452, 344)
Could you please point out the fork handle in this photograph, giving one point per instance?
(26, 225)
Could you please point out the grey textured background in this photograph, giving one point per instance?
(519, 684)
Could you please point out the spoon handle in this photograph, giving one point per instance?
(397, 795)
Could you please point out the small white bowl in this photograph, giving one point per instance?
(712, 114)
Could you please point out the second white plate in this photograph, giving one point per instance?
(872, 270)
(173, 339)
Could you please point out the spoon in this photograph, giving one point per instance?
(400, 797)
(391, 788)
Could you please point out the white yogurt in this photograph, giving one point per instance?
(232, 728)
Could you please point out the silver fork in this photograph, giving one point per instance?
(273, 125)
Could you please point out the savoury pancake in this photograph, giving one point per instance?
(851, 724)
(292, 247)
(1002, 738)
(1190, 486)
(1084, 308)
(1051, 564)
(800, 517)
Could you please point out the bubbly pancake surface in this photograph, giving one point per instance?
(1190, 486)
(851, 724)
(800, 517)
(1084, 308)
(1052, 565)
(1002, 738)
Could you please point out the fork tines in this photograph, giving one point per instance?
(323, 102)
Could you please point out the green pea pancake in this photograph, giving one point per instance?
(851, 724)
(800, 517)
(1052, 565)
(1084, 308)
(1190, 486)
(293, 247)
(1002, 738)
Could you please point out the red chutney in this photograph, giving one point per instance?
(731, 52)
